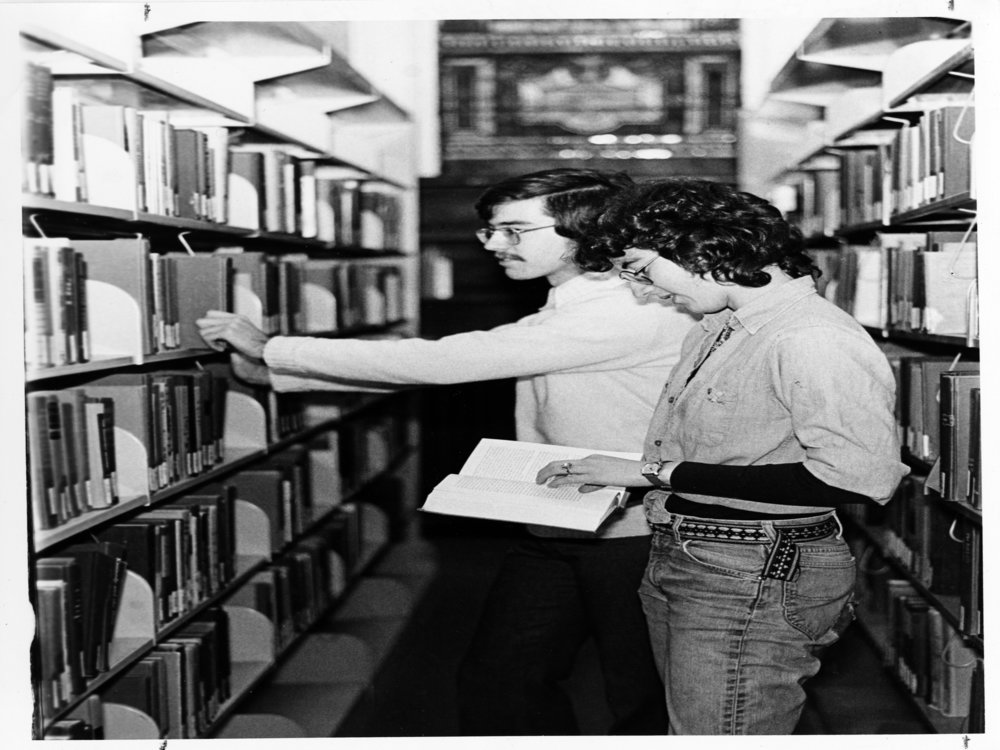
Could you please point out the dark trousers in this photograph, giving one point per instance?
(549, 597)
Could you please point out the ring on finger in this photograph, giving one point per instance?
(566, 466)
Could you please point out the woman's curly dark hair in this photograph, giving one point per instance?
(704, 227)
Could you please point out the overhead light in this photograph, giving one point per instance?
(653, 153)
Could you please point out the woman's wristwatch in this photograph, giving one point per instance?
(658, 472)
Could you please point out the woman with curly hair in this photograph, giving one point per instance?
(779, 409)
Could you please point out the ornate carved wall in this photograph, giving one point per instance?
(648, 96)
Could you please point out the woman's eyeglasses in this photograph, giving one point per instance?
(509, 235)
(639, 275)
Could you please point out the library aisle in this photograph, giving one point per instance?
(209, 556)
(415, 696)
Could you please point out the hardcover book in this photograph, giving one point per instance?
(498, 482)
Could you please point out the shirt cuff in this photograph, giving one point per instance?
(279, 352)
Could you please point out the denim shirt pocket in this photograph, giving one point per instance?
(711, 411)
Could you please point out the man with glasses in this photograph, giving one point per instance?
(590, 366)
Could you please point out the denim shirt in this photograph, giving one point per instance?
(798, 381)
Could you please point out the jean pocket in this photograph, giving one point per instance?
(817, 601)
(741, 560)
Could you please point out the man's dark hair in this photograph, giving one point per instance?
(573, 197)
(704, 227)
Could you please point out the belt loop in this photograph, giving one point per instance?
(768, 528)
(840, 526)
(675, 523)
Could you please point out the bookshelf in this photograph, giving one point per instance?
(885, 192)
(191, 535)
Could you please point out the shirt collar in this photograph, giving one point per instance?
(584, 286)
(755, 315)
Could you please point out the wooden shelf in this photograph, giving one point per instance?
(145, 91)
(868, 43)
(956, 209)
(116, 364)
(67, 55)
(923, 66)
(965, 510)
(46, 539)
(916, 337)
(128, 221)
(39, 375)
(30, 202)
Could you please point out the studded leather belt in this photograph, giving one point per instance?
(783, 556)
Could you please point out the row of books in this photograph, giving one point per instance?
(915, 528)
(942, 554)
(961, 459)
(72, 461)
(183, 680)
(918, 165)
(932, 159)
(79, 149)
(185, 549)
(177, 415)
(816, 209)
(275, 191)
(299, 586)
(922, 282)
(179, 418)
(294, 294)
(182, 683)
(293, 591)
(938, 413)
(36, 137)
(368, 446)
(928, 656)
(78, 594)
(86, 298)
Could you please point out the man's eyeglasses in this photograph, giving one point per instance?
(639, 275)
(510, 235)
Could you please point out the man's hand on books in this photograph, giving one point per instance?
(591, 473)
(221, 328)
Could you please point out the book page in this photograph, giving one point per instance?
(524, 490)
(524, 502)
(520, 461)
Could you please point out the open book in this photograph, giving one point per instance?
(498, 482)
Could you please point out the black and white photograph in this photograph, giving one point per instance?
(498, 372)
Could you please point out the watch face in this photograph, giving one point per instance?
(652, 472)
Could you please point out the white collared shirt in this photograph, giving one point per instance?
(590, 367)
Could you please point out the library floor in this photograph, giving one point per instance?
(414, 694)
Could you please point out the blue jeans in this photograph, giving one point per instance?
(732, 645)
(550, 596)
